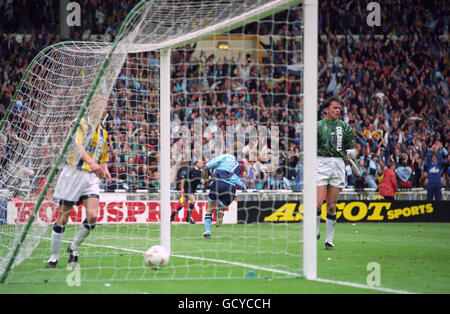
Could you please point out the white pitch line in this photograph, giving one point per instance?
(336, 282)
(357, 285)
(195, 258)
(239, 264)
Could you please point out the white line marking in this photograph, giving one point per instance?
(336, 282)
(240, 265)
(357, 285)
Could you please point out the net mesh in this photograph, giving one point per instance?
(235, 80)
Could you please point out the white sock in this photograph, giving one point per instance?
(330, 223)
(56, 241)
(81, 235)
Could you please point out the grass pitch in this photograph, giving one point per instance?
(368, 258)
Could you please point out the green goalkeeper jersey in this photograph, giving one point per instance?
(334, 138)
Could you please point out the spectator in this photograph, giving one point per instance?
(404, 172)
(133, 181)
(298, 186)
(360, 181)
(259, 181)
(435, 165)
(395, 89)
(380, 174)
(282, 181)
(372, 170)
(350, 176)
(271, 182)
(155, 180)
(447, 172)
(388, 185)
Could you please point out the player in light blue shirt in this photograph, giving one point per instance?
(227, 172)
(228, 168)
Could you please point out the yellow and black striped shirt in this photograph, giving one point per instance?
(97, 147)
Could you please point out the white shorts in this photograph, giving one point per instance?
(331, 171)
(74, 185)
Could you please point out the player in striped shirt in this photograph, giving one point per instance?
(335, 143)
(79, 183)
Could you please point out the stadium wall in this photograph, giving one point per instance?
(131, 208)
(114, 209)
(347, 211)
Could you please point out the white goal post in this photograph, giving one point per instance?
(310, 81)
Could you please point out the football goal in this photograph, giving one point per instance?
(182, 82)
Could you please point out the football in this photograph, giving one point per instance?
(157, 256)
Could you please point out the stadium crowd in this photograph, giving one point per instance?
(393, 80)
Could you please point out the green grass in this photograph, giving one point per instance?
(412, 257)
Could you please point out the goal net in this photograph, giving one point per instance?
(182, 82)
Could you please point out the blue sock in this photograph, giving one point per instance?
(208, 220)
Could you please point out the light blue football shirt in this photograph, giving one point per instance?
(229, 164)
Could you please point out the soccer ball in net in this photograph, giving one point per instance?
(157, 256)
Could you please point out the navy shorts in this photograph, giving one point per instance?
(222, 192)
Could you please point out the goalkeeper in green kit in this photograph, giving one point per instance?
(335, 144)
